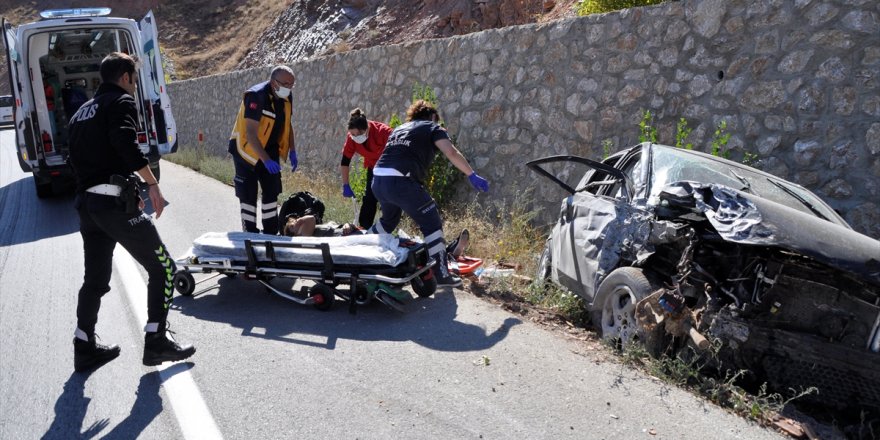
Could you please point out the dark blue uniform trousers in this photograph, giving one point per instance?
(103, 223)
(402, 194)
(249, 180)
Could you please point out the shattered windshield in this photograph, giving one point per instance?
(674, 165)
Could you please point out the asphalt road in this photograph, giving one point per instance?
(268, 368)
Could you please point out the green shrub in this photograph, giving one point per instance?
(681, 134)
(587, 7)
(720, 138)
(647, 132)
(395, 121)
(357, 177)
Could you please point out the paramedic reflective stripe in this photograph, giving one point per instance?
(248, 217)
(436, 249)
(269, 114)
(248, 208)
(434, 236)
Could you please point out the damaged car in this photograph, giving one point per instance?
(675, 248)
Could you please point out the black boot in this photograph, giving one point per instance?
(442, 274)
(89, 355)
(161, 347)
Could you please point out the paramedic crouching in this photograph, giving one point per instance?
(104, 154)
(398, 177)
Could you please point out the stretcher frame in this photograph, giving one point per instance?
(415, 270)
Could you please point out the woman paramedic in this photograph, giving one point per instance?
(368, 139)
(398, 177)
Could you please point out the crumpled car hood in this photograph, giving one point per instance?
(748, 219)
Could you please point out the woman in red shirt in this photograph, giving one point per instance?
(367, 138)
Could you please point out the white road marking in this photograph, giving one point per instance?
(192, 413)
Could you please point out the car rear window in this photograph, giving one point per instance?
(5, 101)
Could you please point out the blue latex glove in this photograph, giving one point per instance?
(346, 191)
(293, 161)
(272, 167)
(478, 182)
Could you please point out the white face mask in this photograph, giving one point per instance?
(360, 139)
(282, 92)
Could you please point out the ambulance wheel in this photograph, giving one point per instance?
(323, 296)
(424, 287)
(184, 283)
(44, 190)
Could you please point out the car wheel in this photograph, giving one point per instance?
(544, 264)
(618, 294)
(44, 190)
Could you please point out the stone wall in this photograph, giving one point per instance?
(797, 82)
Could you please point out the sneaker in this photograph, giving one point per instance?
(88, 355)
(462, 243)
(449, 280)
(161, 347)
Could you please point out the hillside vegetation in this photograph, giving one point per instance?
(206, 37)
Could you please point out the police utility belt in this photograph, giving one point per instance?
(123, 188)
(106, 189)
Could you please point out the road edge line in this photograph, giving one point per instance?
(192, 413)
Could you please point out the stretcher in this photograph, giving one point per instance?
(374, 266)
(464, 264)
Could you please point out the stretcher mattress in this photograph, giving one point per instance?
(367, 249)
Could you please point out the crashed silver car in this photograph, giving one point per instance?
(672, 247)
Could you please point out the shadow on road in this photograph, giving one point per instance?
(430, 322)
(24, 218)
(72, 404)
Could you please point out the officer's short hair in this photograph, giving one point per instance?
(278, 69)
(116, 64)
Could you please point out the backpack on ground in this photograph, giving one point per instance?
(300, 204)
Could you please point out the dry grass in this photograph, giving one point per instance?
(506, 237)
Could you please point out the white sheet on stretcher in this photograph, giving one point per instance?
(372, 249)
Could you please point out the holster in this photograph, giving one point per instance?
(129, 197)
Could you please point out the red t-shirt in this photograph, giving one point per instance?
(377, 137)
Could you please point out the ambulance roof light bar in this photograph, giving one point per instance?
(50, 14)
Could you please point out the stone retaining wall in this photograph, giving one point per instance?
(797, 82)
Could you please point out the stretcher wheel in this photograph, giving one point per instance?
(424, 287)
(184, 283)
(323, 296)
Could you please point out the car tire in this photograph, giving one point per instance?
(44, 190)
(542, 274)
(617, 296)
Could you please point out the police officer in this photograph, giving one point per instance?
(399, 174)
(263, 133)
(104, 154)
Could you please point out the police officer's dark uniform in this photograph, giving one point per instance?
(274, 115)
(103, 134)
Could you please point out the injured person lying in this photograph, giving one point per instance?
(308, 226)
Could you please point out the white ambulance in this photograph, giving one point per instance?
(54, 68)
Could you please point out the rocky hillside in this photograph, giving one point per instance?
(205, 37)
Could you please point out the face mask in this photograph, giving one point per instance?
(282, 92)
(360, 139)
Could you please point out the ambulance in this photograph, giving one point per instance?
(54, 68)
